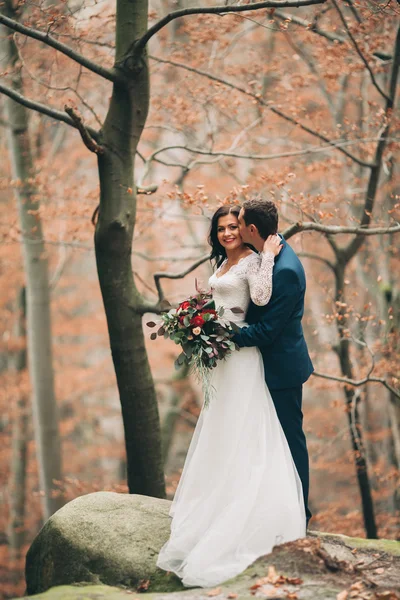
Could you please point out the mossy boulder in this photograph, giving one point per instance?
(102, 537)
(110, 543)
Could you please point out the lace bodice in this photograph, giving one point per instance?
(250, 278)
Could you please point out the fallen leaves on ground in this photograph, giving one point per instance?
(276, 580)
(359, 591)
(214, 592)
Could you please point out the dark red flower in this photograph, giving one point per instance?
(197, 321)
(184, 305)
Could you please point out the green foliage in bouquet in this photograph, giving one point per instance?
(197, 327)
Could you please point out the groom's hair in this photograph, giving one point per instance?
(263, 214)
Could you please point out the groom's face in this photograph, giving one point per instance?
(244, 230)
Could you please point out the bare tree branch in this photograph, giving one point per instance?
(258, 99)
(354, 383)
(336, 229)
(312, 150)
(332, 37)
(87, 139)
(193, 267)
(360, 54)
(219, 10)
(44, 110)
(162, 304)
(109, 74)
(326, 262)
(354, 10)
(373, 181)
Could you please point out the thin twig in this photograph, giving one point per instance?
(158, 276)
(109, 74)
(327, 262)
(312, 150)
(332, 37)
(43, 109)
(337, 229)
(358, 383)
(360, 54)
(258, 99)
(219, 10)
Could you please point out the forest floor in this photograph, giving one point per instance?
(319, 567)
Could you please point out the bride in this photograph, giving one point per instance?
(239, 494)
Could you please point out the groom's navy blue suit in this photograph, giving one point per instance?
(276, 330)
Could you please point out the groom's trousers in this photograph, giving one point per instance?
(288, 404)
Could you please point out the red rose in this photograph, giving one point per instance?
(184, 305)
(197, 321)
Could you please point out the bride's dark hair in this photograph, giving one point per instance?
(218, 253)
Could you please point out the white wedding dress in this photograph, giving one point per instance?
(239, 494)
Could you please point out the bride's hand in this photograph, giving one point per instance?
(273, 244)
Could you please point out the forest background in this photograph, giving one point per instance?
(295, 104)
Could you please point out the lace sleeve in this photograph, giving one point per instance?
(259, 277)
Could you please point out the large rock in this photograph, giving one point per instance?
(103, 537)
(114, 539)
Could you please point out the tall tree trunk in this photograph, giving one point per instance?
(19, 444)
(113, 242)
(352, 401)
(37, 288)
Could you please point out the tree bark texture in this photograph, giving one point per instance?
(40, 358)
(113, 243)
(19, 443)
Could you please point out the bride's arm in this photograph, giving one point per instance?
(288, 293)
(259, 277)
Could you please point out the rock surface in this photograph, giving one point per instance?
(114, 539)
(102, 537)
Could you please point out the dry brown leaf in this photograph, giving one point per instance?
(358, 586)
(143, 585)
(214, 592)
(292, 596)
(261, 581)
(294, 580)
(342, 595)
(379, 571)
(231, 596)
(388, 595)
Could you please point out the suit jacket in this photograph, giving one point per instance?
(276, 328)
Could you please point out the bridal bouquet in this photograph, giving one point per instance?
(197, 327)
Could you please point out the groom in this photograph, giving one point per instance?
(276, 330)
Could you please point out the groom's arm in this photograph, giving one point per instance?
(285, 297)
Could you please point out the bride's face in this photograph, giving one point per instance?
(228, 232)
